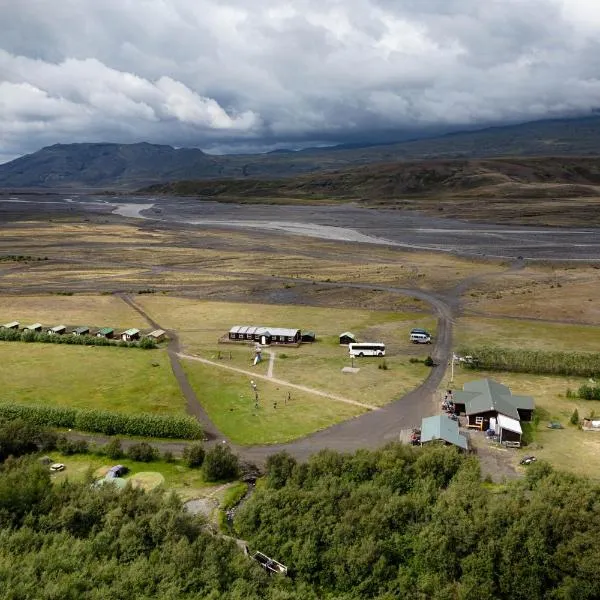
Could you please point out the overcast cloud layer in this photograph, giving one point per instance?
(243, 74)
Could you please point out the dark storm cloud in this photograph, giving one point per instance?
(232, 74)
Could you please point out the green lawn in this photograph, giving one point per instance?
(229, 400)
(568, 449)
(118, 379)
(534, 335)
(200, 325)
(187, 483)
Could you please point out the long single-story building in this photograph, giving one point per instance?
(36, 327)
(158, 335)
(265, 335)
(81, 331)
(442, 428)
(11, 325)
(57, 330)
(130, 335)
(486, 399)
(347, 338)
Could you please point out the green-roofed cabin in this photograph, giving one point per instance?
(485, 399)
(347, 338)
(106, 332)
(309, 336)
(130, 335)
(441, 428)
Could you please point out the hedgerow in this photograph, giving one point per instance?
(13, 335)
(542, 362)
(109, 423)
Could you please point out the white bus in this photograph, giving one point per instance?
(367, 349)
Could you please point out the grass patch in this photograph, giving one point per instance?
(318, 365)
(229, 400)
(113, 379)
(523, 334)
(187, 483)
(73, 310)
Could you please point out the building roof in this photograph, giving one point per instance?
(81, 329)
(509, 424)
(131, 331)
(57, 328)
(347, 334)
(484, 395)
(34, 326)
(441, 427)
(11, 324)
(255, 330)
(105, 330)
(157, 333)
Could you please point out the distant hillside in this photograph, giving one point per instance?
(135, 165)
(557, 191)
(576, 176)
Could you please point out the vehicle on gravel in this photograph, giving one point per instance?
(55, 467)
(527, 460)
(420, 338)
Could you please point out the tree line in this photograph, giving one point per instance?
(540, 362)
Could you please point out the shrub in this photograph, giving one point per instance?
(114, 449)
(574, 418)
(69, 447)
(383, 365)
(193, 455)
(428, 362)
(220, 464)
(142, 452)
(168, 457)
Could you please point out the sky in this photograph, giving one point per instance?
(255, 75)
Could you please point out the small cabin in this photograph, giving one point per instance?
(81, 331)
(36, 327)
(347, 338)
(130, 335)
(158, 335)
(106, 332)
(442, 429)
(309, 336)
(57, 330)
(11, 325)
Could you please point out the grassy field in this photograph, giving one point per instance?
(318, 365)
(229, 400)
(534, 335)
(187, 483)
(73, 310)
(569, 448)
(119, 379)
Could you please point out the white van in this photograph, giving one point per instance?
(420, 338)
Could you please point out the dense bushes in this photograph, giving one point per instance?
(13, 335)
(193, 455)
(220, 464)
(406, 522)
(72, 541)
(589, 392)
(19, 437)
(109, 423)
(142, 452)
(542, 362)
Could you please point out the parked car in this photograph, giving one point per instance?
(55, 467)
(554, 425)
(117, 471)
(527, 460)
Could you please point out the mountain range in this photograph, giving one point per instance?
(129, 166)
